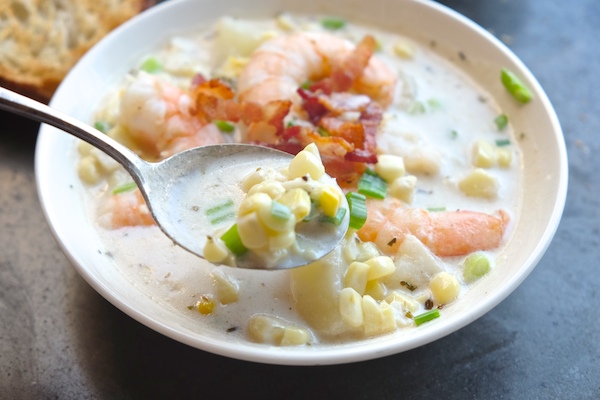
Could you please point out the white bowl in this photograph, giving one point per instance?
(544, 166)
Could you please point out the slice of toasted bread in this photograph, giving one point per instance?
(40, 40)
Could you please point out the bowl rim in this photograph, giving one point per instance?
(358, 351)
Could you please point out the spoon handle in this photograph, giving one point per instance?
(29, 108)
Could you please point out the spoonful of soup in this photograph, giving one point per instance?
(241, 205)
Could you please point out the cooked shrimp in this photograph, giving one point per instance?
(281, 65)
(126, 209)
(448, 233)
(155, 113)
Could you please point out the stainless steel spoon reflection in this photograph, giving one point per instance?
(164, 184)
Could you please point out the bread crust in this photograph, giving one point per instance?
(41, 40)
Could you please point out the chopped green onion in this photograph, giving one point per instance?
(434, 104)
(290, 123)
(306, 85)
(223, 217)
(151, 65)
(436, 209)
(323, 132)
(358, 209)
(453, 134)
(220, 207)
(416, 107)
(337, 220)
(372, 185)
(333, 23)
(514, 86)
(232, 240)
(280, 211)
(378, 45)
(126, 187)
(224, 126)
(427, 316)
(501, 121)
(476, 266)
(502, 142)
(101, 126)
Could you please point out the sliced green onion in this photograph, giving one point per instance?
(427, 316)
(416, 107)
(306, 85)
(290, 123)
(101, 126)
(453, 134)
(337, 220)
(436, 209)
(126, 187)
(434, 104)
(218, 208)
(280, 211)
(372, 185)
(514, 86)
(358, 209)
(476, 266)
(232, 240)
(333, 23)
(224, 126)
(501, 121)
(502, 142)
(151, 65)
(223, 217)
(323, 132)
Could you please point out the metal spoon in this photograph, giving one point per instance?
(176, 190)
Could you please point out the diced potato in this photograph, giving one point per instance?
(483, 154)
(390, 167)
(84, 148)
(286, 23)
(479, 183)
(422, 161)
(380, 266)
(351, 307)
(293, 336)
(215, 250)
(266, 329)
(235, 38)
(444, 287)
(357, 276)
(298, 201)
(388, 319)
(504, 157)
(228, 290)
(415, 264)
(106, 163)
(252, 232)
(403, 188)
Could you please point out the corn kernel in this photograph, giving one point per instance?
(84, 148)
(357, 276)
(388, 319)
(403, 188)
(444, 287)
(390, 167)
(351, 308)
(330, 200)
(404, 50)
(367, 250)
(88, 170)
(380, 266)
(372, 316)
(504, 157)
(215, 250)
(293, 336)
(282, 240)
(272, 188)
(306, 163)
(298, 201)
(256, 177)
(479, 183)
(228, 290)
(252, 232)
(255, 202)
(484, 154)
(205, 305)
(265, 329)
(407, 303)
(286, 23)
(376, 290)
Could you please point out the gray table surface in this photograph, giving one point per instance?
(60, 339)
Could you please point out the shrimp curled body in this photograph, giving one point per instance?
(281, 65)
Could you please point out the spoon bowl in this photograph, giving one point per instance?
(179, 188)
